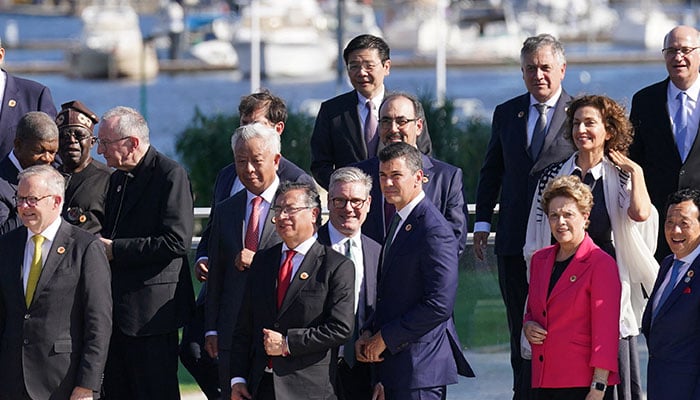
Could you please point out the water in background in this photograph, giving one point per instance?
(170, 100)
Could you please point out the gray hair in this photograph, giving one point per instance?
(535, 43)
(130, 123)
(269, 136)
(350, 175)
(36, 126)
(55, 182)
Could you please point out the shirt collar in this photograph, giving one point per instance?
(551, 103)
(303, 247)
(376, 100)
(406, 211)
(268, 194)
(49, 233)
(693, 91)
(15, 161)
(691, 257)
(596, 171)
(337, 237)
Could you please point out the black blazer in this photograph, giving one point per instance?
(84, 203)
(317, 316)
(225, 283)
(338, 140)
(20, 97)
(654, 149)
(149, 216)
(61, 340)
(8, 171)
(508, 174)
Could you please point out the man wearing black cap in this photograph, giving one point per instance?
(86, 178)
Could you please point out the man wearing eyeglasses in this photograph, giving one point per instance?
(666, 116)
(36, 143)
(55, 299)
(86, 178)
(348, 204)
(402, 119)
(346, 125)
(147, 235)
(298, 307)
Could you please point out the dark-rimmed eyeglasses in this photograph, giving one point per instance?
(400, 122)
(31, 201)
(672, 51)
(289, 211)
(340, 202)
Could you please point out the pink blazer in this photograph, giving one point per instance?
(581, 317)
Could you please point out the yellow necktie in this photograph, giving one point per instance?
(34, 269)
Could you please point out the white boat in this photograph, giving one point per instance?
(294, 39)
(111, 45)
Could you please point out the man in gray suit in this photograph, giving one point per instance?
(55, 298)
(241, 225)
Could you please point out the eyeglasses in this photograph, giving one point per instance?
(103, 142)
(289, 211)
(31, 201)
(66, 135)
(672, 51)
(365, 66)
(400, 122)
(340, 202)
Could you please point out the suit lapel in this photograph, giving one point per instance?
(404, 235)
(520, 117)
(9, 98)
(352, 120)
(682, 286)
(307, 269)
(60, 249)
(15, 258)
(370, 273)
(574, 271)
(268, 232)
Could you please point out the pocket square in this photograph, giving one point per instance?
(687, 290)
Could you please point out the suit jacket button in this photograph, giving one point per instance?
(544, 313)
(27, 316)
(541, 358)
(25, 341)
(277, 325)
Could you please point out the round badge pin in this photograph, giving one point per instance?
(12, 103)
(61, 250)
(521, 114)
(572, 278)
(304, 276)
(408, 227)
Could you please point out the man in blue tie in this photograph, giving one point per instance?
(671, 321)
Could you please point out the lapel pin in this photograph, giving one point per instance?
(690, 273)
(408, 227)
(572, 278)
(521, 114)
(304, 276)
(82, 218)
(425, 179)
(687, 279)
(61, 250)
(12, 103)
(119, 188)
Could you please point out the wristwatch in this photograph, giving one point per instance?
(598, 386)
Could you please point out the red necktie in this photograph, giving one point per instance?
(285, 277)
(252, 231)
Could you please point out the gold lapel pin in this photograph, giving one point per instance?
(425, 179)
(82, 218)
(408, 227)
(690, 273)
(521, 114)
(304, 276)
(12, 103)
(572, 278)
(61, 250)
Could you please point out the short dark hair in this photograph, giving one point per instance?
(275, 109)
(311, 197)
(367, 41)
(414, 162)
(684, 195)
(36, 126)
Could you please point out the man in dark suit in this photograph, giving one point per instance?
(524, 140)
(411, 334)
(667, 151)
(86, 178)
(147, 234)
(401, 119)
(346, 125)
(241, 226)
(298, 308)
(36, 142)
(19, 97)
(269, 110)
(671, 321)
(55, 302)
(348, 203)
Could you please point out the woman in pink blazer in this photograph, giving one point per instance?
(573, 307)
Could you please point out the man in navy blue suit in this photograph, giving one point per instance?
(19, 96)
(348, 203)
(671, 321)
(411, 335)
(346, 125)
(402, 119)
(523, 142)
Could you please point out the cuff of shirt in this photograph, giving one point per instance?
(211, 333)
(482, 227)
(238, 379)
(203, 258)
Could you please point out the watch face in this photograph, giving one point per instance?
(598, 386)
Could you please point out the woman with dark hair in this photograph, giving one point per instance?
(623, 222)
(573, 308)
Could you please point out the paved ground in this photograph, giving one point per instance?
(493, 381)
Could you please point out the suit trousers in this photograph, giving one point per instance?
(142, 367)
(433, 393)
(512, 279)
(353, 383)
(195, 359)
(224, 376)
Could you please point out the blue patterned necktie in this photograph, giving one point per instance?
(540, 131)
(681, 122)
